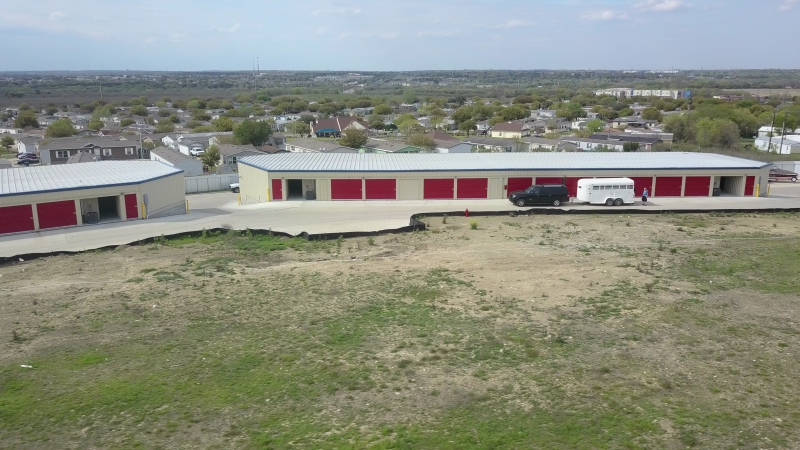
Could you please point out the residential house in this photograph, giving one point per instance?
(58, 151)
(26, 144)
(482, 127)
(543, 114)
(444, 143)
(82, 157)
(191, 167)
(767, 130)
(231, 153)
(788, 145)
(334, 126)
(385, 146)
(594, 145)
(633, 122)
(313, 146)
(646, 142)
(510, 130)
(10, 130)
(190, 147)
(277, 140)
(270, 149)
(493, 145)
(537, 144)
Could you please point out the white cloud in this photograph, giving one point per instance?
(232, 29)
(515, 24)
(662, 5)
(57, 15)
(605, 15)
(437, 33)
(788, 5)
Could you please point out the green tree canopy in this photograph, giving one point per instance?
(139, 110)
(467, 126)
(7, 142)
(253, 133)
(422, 141)
(571, 111)
(126, 122)
(211, 158)
(595, 125)
(60, 128)
(354, 138)
(165, 126)
(382, 109)
(95, 124)
(652, 114)
(104, 111)
(51, 109)
(26, 119)
(630, 147)
(223, 124)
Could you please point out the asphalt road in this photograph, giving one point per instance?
(220, 209)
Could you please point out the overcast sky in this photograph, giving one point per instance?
(398, 34)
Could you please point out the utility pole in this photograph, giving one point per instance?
(772, 128)
(783, 132)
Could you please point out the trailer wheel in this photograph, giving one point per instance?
(618, 202)
(609, 202)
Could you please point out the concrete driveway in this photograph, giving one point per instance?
(220, 209)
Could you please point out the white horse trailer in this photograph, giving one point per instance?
(606, 191)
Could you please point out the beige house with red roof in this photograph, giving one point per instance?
(510, 130)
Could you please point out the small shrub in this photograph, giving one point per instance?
(403, 363)
(473, 224)
(15, 336)
(371, 240)
(444, 218)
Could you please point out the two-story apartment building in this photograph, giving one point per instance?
(58, 151)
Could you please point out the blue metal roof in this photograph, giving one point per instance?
(41, 179)
(475, 162)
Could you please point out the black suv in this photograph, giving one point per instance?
(545, 194)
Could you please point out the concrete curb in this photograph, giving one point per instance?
(415, 224)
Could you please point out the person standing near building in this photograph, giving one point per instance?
(645, 193)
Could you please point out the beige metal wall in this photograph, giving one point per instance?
(253, 184)
(163, 193)
(410, 184)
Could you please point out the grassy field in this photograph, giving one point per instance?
(668, 331)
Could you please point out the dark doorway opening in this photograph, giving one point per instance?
(731, 185)
(295, 190)
(108, 208)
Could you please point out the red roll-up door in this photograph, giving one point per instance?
(749, 186)
(668, 187)
(346, 189)
(697, 187)
(381, 189)
(518, 184)
(473, 187)
(572, 186)
(14, 219)
(277, 189)
(131, 206)
(549, 180)
(57, 214)
(639, 183)
(441, 188)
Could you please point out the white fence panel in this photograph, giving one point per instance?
(209, 183)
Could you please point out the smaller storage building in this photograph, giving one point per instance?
(45, 197)
(191, 167)
(321, 176)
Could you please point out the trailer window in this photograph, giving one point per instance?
(595, 188)
(615, 187)
(630, 187)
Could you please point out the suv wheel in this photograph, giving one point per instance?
(610, 202)
(618, 202)
(521, 202)
(794, 179)
(556, 202)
